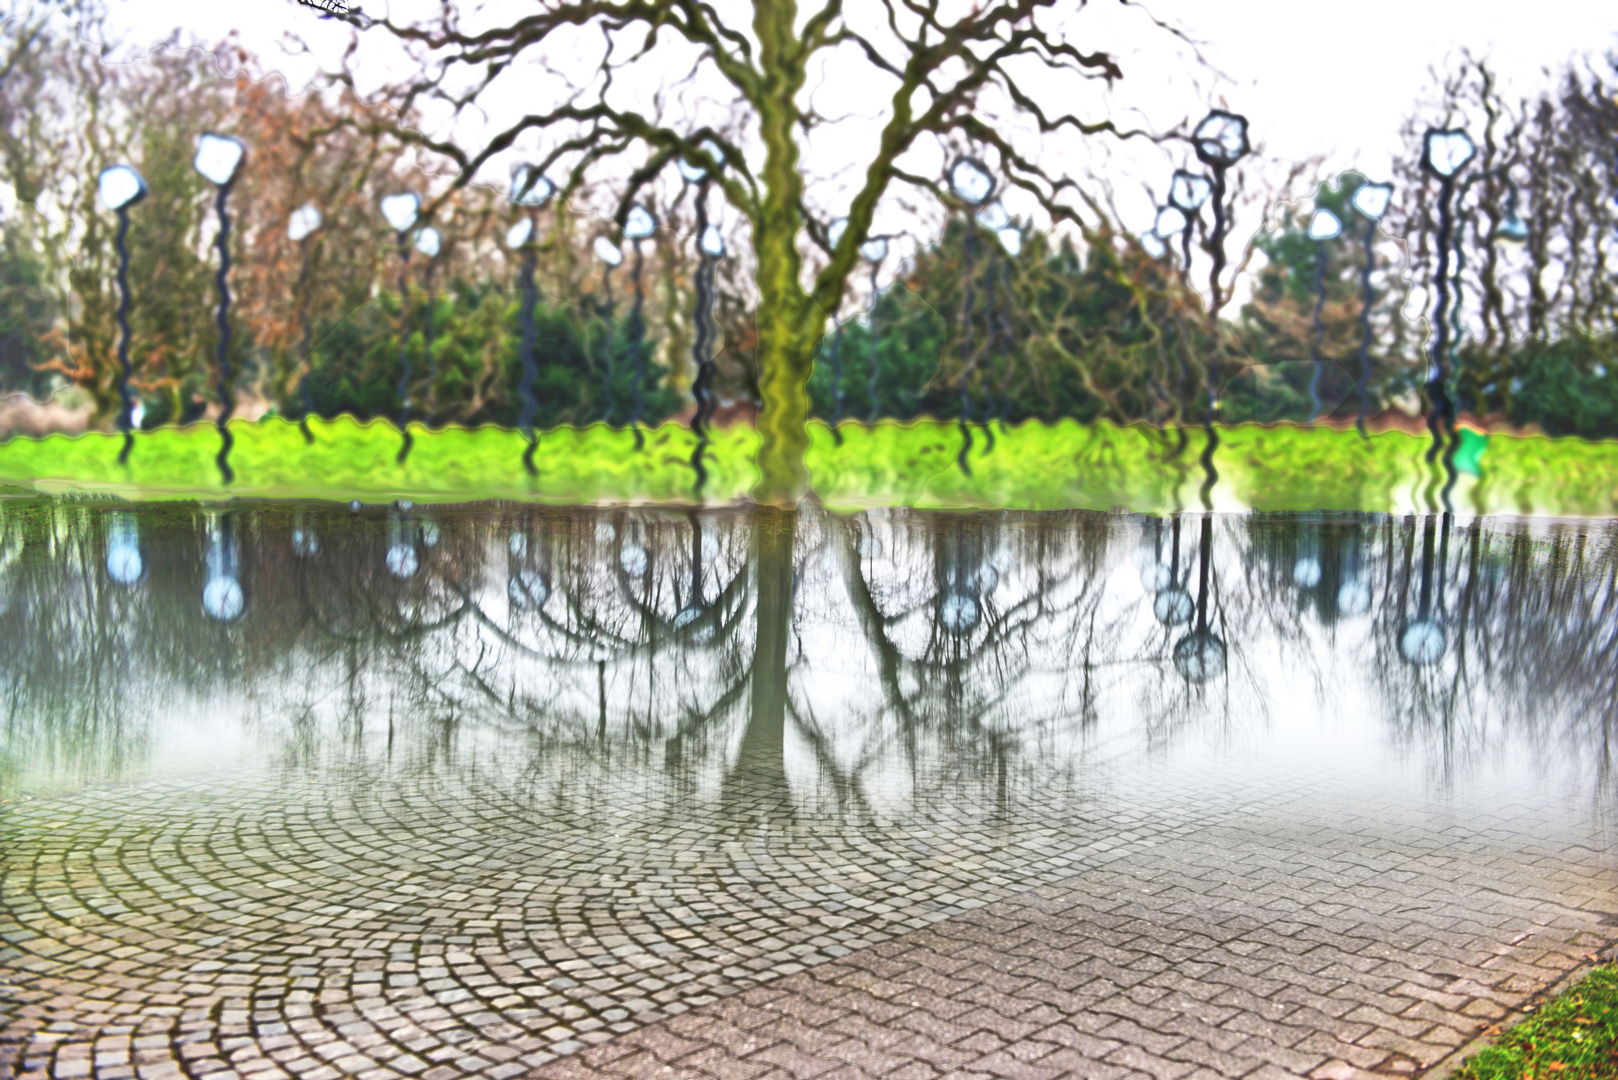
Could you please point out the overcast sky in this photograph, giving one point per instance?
(1315, 79)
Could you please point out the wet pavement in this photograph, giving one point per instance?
(294, 792)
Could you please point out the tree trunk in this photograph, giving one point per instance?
(756, 787)
(787, 336)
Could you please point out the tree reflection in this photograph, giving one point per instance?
(772, 664)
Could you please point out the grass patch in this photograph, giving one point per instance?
(1032, 466)
(1573, 1037)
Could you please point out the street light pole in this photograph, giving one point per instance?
(119, 188)
(217, 159)
(1371, 202)
(300, 226)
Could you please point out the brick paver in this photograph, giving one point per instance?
(1285, 944)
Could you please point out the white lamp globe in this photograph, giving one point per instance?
(218, 156)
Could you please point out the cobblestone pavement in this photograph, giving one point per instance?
(1267, 948)
(1235, 918)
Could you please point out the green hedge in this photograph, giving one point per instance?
(1034, 466)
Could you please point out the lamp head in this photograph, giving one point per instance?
(1189, 190)
(713, 242)
(529, 188)
(994, 217)
(1371, 200)
(971, 181)
(639, 224)
(607, 251)
(1221, 139)
(120, 186)
(303, 221)
(520, 234)
(1325, 225)
(1170, 221)
(218, 156)
(429, 242)
(1446, 152)
(1512, 228)
(401, 210)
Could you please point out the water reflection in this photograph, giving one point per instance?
(775, 663)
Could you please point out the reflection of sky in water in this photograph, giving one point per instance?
(930, 660)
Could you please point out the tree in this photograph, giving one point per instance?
(951, 79)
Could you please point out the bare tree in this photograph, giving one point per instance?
(1004, 79)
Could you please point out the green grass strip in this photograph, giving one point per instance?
(1574, 1037)
(1032, 466)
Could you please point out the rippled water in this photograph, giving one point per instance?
(855, 665)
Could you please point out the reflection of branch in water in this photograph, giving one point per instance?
(988, 641)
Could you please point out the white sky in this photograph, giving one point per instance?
(1315, 79)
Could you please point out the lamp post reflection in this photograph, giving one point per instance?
(1423, 642)
(222, 596)
(1171, 603)
(125, 564)
(1200, 655)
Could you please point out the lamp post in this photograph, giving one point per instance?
(710, 249)
(1370, 202)
(711, 242)
(638, 225)
(1220, 141)
(217, 159)
(611, 256)
(874, 251)
(1444, 153)
(1170, 221)
(1010, 238)
(994, 217)
(119, 188)
(972, 183)
(401, 211)
(834, 236)
(1323, 226)
(429, 242)
(303, 223)
(530, 191)
(1187, 192)
(1510, 228)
